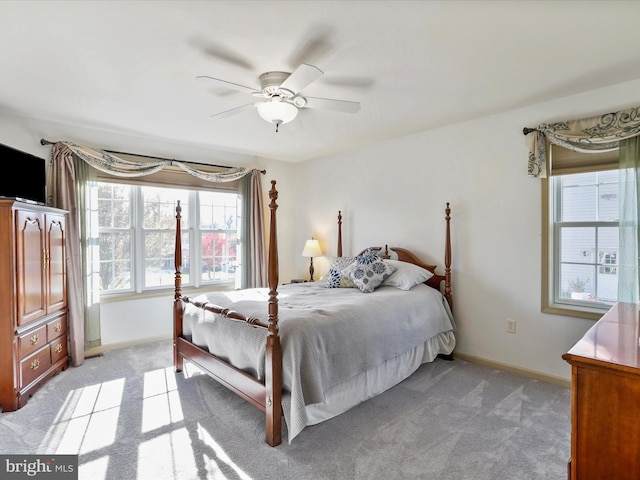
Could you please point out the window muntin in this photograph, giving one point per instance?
(158, 232)
(137, 256)
(585, 239)
(115, 204)
(218, 236)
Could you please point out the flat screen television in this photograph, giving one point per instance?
(23, 176)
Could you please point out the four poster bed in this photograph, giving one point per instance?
(308, 352)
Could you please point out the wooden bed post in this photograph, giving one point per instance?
(339, 233)
(273, 357)
(178, 306)
(447, 257)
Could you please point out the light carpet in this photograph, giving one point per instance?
(129, 416)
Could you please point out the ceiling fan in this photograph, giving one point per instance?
(281, 96)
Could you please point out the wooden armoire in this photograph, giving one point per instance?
(33, 299)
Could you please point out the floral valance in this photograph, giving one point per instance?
(111, 164)
(597, 134)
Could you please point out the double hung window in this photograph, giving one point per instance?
(581, 240)
(137, 237)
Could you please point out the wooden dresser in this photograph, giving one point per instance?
(33, 299)
(605, 401)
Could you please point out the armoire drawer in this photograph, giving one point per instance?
(32, 341)
(58, 349)
(57, 327)
(34, 365)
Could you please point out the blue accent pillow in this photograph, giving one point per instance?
(335, 278)
(367, 257)
(369, 276)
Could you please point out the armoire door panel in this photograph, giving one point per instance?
(30, 266)
(56, 273)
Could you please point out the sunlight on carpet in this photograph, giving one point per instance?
(87, 424)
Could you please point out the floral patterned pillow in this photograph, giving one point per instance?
(335, 277)
(367, 257)
(369, 276)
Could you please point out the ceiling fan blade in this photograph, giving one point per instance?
(312, 49)
(235, 110)
(352, 82)
(235, 86)
(332, 104)
(301, 77)
(220, 52)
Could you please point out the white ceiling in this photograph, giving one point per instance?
(130, 67)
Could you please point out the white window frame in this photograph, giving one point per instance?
(551, 301)
(138, 253)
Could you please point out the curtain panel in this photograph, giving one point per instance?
(253, 254)
(628, 259)
(597, 134)
(70, 180)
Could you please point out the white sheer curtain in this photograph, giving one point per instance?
(73, 170)
(628, 272)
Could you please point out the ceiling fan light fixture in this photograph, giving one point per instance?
(276, 111)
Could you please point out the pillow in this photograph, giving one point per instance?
(335, 278)
(369, 276)
(407, 275)
(368, 256)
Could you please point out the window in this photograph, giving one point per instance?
(137, 237)
(582, 242)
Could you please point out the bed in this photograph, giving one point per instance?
(307, 352)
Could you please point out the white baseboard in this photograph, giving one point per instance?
(92, 352)
(563, 382)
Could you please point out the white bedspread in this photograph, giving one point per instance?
(328, 335)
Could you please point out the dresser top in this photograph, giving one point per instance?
(613, 340)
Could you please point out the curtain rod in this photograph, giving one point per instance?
(527, 130)
(44, 141)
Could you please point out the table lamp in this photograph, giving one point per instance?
(311, 249)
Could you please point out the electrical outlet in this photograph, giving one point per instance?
(511, 325)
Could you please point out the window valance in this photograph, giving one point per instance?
(597, 134)
(115, 165)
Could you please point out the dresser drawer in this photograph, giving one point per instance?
(33, 366)
(57, 327)
(58, 349)
(32, 341)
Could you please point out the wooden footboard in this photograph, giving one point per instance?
(265, 395)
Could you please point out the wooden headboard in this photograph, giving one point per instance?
(405, 255)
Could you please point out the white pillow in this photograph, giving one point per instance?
(407, 275)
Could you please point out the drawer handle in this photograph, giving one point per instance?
(58, 327)
(57, 348)
(34, 339)
(35, 364)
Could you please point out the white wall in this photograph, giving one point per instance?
(149, 318)
(395, 193)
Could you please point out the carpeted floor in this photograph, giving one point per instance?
(129, 416)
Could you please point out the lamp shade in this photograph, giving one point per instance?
(312, 249)
(276, 111)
